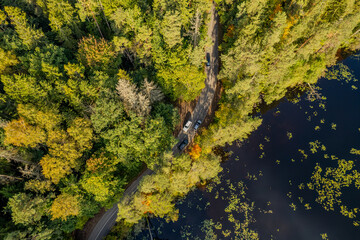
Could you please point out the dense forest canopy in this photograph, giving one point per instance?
(87, 88)
(271, 46)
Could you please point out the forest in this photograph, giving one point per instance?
(88, 92)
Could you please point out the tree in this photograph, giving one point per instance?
(46, 64)
(20, 133)
(133, 100)
(39, 186)
(124, 140)
(54, 168)
(89, 8)
(168, 113)
(41, 233)
(31, 171)
(107, 112)
(64, 206)
(156, 138)
(2, 19)
(78, 93)
(61, 145)
(13, 155)
(6, 179)
(8, 60)
(102, 186)
(47, 118)
(99, 164)
(128, 213)
(195, 152)
(27, 209)
(97, 54)
(23, 88)
(64, 21)
(152, 91)
(30, 37)
(177, 76)
(63, 155)
(171, 28)
(131, 22)
(81, 131)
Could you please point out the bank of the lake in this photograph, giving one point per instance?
(275, 160)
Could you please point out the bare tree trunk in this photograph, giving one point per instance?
(102, 9)
(355, 33)
(302, 45)
(30, 171)
(313, 93)
(147, 220)
(128, 54)
(196, 27)
(13, 156)
(5, 179)
(93, 15)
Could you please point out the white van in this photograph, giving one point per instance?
(187, 126)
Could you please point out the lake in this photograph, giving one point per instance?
(264, 191)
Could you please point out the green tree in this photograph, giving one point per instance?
(23, 88)
(30, 36)
(171, 28)
(27, 209)
(64, 21)
(135, 35)
(107, 112)
(103, 186)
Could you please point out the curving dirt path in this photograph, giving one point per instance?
(108, 219)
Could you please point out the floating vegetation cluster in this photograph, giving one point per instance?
(329, 185)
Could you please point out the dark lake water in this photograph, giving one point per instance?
(270, 167)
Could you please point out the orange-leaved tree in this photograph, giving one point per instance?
(195, 152)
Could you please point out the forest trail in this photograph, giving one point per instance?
(108, 219)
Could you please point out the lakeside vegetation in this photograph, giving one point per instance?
(87, 87)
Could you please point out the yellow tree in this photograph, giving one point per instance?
(8, 59)
(65, 148)
(47, 118)
(102, 186)
(81, 131)
(20, 133)
(65, 205)
(54, 168)
(39, 186)
(62, 157)
(62, 146)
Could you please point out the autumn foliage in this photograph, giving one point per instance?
(65, 205)
(195, 152)
(20, 133)
(94, 52)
